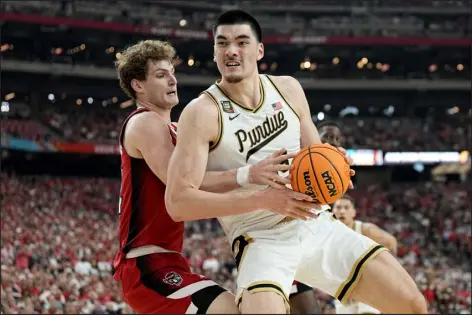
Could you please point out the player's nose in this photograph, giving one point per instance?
(231, 51)
(173, 80)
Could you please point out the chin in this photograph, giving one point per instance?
(233, 79)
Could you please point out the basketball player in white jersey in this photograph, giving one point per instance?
(237, 122)
(345, 211)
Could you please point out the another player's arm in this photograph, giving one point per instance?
(146, 138)
(379, 235)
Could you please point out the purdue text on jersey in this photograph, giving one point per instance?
(261, 135)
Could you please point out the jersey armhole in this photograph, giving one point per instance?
(282, 96)
(125, 124)
(214, 144)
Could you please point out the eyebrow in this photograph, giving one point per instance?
(157, 69)
(238, 37)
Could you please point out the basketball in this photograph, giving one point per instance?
(322, 172)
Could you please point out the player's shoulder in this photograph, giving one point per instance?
(367, 226)
(201, 106)
(285, 82)
(144, 123)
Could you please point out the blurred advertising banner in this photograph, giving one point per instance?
(361, 157)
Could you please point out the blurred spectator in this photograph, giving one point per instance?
(59, 240)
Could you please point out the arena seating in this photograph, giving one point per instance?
(59, 238)
(397, 134)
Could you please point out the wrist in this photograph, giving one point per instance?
(242, 176)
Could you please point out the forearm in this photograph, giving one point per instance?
(389, 242)
(194, 204)
(220, 182)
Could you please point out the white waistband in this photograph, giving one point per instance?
(147, 250)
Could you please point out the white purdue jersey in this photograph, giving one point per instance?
(247, 136)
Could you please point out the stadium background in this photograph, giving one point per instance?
(395, 74)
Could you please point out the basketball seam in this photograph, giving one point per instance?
(339, 175)
(296, 173)
(316, 177)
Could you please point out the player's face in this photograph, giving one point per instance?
(160, 86)
(344, 211)
(331, 135)
(237, 52)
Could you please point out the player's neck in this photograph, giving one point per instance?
(246, 92)
(163, 112)
(351, 225)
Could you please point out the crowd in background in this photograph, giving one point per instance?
(59, 237)
(388, 134)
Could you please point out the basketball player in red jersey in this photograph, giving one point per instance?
(155, 277)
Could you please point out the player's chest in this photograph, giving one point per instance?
(256, 136)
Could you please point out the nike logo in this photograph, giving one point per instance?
(234, 117)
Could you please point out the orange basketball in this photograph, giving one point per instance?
(321, 171)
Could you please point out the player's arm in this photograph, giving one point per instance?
(147, 138)
(198, 127)
(291, 88)
(379, 235)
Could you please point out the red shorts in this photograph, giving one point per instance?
(163, 283)
(298, 287)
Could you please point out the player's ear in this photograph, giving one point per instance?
(136, 85)
(354, 213)
(260, 51)
(214, 58)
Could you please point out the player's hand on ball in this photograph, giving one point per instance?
(350, 161)
(266, 171)
(290, 203)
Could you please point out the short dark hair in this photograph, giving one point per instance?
(328, 123)
(347, 197)
(233, 17)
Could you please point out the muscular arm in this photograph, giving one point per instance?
(147, 136)
(185, 201)
(292, 89)
(379, 235)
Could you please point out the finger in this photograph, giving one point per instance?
(282, 158)
(351, 185)
(300, 196)
(350, 160)
(280, 179)
(305, 205)
(299, 214)
(352, 172)
(304, 212)
(342, 150)
(278, 168)
(276, 185)
(277, 153)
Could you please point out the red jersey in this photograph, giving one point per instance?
(143, 215)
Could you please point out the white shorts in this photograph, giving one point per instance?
(355, 308)
(322, 253)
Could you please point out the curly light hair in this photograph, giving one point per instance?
(133, 62)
